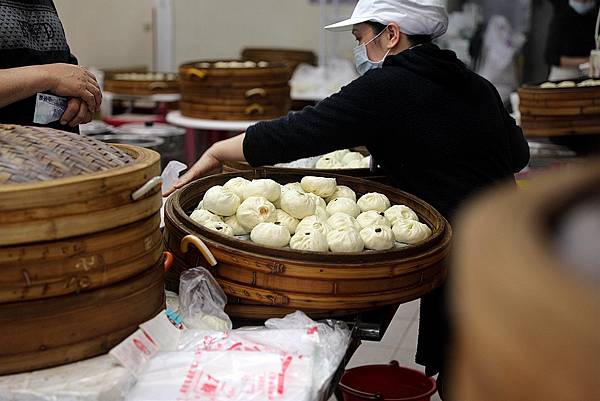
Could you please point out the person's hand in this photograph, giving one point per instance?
(74, 81)
(77, 112)
(207, 162)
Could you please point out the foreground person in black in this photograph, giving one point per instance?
(437, 129)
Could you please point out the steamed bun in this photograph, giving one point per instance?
(372, 218)
(398, 212)
(343, 205)
(378, 237)
(297, 204)
(271, 235)
(238, 229)
(286, 220)
(313, 223)
(374, 201)
(220, 201)
(328, 163)
(219, 227)
(319, 186)
(343, 220)
(410, 231)
(309, 240)
(255, 210)
(203, 216)
(265, 187)
(345, 239)
(237, 186)
(342, 191)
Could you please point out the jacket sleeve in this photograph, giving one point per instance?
(343, 120)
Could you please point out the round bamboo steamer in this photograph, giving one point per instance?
(45, 333)
(559, 111)
(89, 203)
(254, 111)
(234, 94)
(330, 283)
(527, 323)
(143, 86)
(78, 264)
(291, 57)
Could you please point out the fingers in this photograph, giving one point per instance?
(83, 115)
(94, 90)
(89, 99)
(71, 111)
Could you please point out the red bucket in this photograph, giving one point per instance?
(387, 383)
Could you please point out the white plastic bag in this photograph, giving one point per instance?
(202, 301)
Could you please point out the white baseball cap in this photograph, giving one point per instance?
(414, 17)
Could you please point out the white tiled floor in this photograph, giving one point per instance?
(399, 342)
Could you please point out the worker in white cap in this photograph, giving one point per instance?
(438, 130)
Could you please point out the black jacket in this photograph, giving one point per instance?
(439, 130)
(570, 34)
(30, 34)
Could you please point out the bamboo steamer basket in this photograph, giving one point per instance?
(366, 173)
(559, 111)
(45, 333)
(527, 319)
(292, 57)
(56, 268)
(142, 83)
(272, 282)
(98, 191)
(249, 91)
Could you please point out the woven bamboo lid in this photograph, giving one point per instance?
(30, 154)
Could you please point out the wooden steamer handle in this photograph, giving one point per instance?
(256, 92)
(200, 245)
(254, 108)
(168, 256)
(154, 86)
(192, 73)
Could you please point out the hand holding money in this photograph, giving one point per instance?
(76, 113)
(73, 81)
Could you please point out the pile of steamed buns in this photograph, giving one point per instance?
(570, 84)
(314, 215)
(343, 159)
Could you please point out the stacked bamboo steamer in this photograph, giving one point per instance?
(266, 282)
(292, 57)
(142, 83)
(557, 110)
(80, 246)
(234, 90)
(528, 316)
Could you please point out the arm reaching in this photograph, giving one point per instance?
(61, 79)
(228, 150)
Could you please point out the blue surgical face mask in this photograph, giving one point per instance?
(582, 8)
(361, 57)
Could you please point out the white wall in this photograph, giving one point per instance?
(114, 33)
(208, 29)
(108, 33)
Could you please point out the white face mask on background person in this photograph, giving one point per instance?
(361, 57)
(581, 7)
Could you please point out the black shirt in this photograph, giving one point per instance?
(439, 130)
(571, 34)
(30, 34)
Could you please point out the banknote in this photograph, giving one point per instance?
(48, 108)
